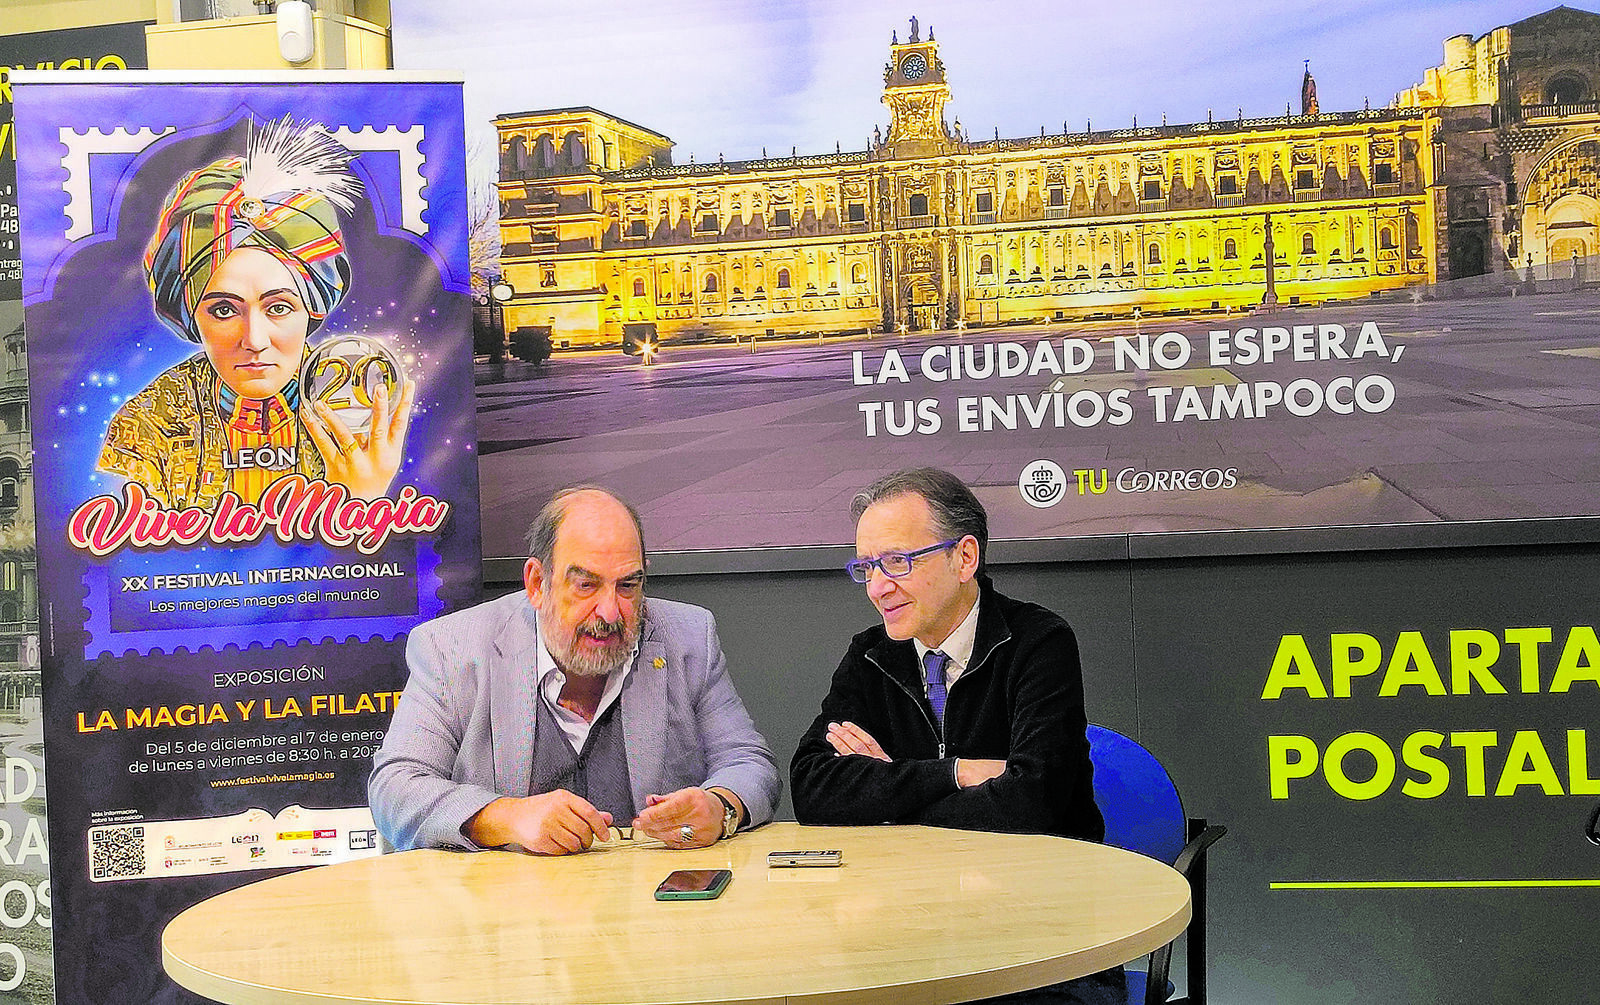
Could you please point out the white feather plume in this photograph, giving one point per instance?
(285, 156)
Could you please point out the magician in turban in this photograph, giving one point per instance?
(247, 260)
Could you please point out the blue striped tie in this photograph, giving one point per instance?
(933, 662)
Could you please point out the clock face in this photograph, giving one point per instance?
(914, 66)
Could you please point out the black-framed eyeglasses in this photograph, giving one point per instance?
(893, 564)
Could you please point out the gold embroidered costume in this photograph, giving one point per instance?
(184, 436)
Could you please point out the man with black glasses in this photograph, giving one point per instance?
(964, 708)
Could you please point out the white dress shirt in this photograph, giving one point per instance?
(552, 679)
(957, 645)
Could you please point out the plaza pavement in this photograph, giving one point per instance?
(1497, 403)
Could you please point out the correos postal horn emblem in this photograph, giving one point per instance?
(1042, 483)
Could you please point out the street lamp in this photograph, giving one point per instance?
(1269, 299)
(499, 294)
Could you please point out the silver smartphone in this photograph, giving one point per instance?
(803, 859)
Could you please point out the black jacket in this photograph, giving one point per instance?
(1020, 700)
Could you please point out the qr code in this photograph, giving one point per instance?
(116, 852)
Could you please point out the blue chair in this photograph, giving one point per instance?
(1144, 814)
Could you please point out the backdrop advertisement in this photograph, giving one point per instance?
(25, 964)
(246, 309)
(1346, 283)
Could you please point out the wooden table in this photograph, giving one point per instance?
(915, 916)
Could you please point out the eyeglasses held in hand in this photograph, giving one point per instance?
(893, 564)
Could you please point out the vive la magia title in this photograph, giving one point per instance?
(1059, 407)
(292, 509)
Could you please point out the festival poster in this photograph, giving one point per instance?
(25, 964)
(1148, 268)
(247, 309)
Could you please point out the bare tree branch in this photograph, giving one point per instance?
(483, 215)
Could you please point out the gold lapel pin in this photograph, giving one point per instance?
(658, 663)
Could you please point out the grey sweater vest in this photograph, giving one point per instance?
(598, 772)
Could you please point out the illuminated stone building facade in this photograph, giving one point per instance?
(19, 589)
(604, 237)
(1516, 162)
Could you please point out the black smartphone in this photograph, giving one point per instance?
(694, 884)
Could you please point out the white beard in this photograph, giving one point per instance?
(577, 662)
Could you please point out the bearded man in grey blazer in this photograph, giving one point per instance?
(540, 720)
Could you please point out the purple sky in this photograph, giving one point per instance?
(733, 76)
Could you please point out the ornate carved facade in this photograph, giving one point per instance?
(604, 236)
(19, 592)
(1514, 116)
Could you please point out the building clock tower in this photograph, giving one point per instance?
(915, 90)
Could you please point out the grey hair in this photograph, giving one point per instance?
(957, 513)
(541, 536)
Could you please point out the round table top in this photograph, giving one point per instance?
(914, 916)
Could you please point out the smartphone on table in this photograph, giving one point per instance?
(803, 859)
(694, 884)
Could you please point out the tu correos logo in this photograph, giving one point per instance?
(1042, 484)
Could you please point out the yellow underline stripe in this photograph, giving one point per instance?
(1436, 884)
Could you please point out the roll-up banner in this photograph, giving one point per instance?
(247, 313)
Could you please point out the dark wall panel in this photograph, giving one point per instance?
(1206, 634)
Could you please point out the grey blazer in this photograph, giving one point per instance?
(462, 733)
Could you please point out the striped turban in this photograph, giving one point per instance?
(279, 197)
